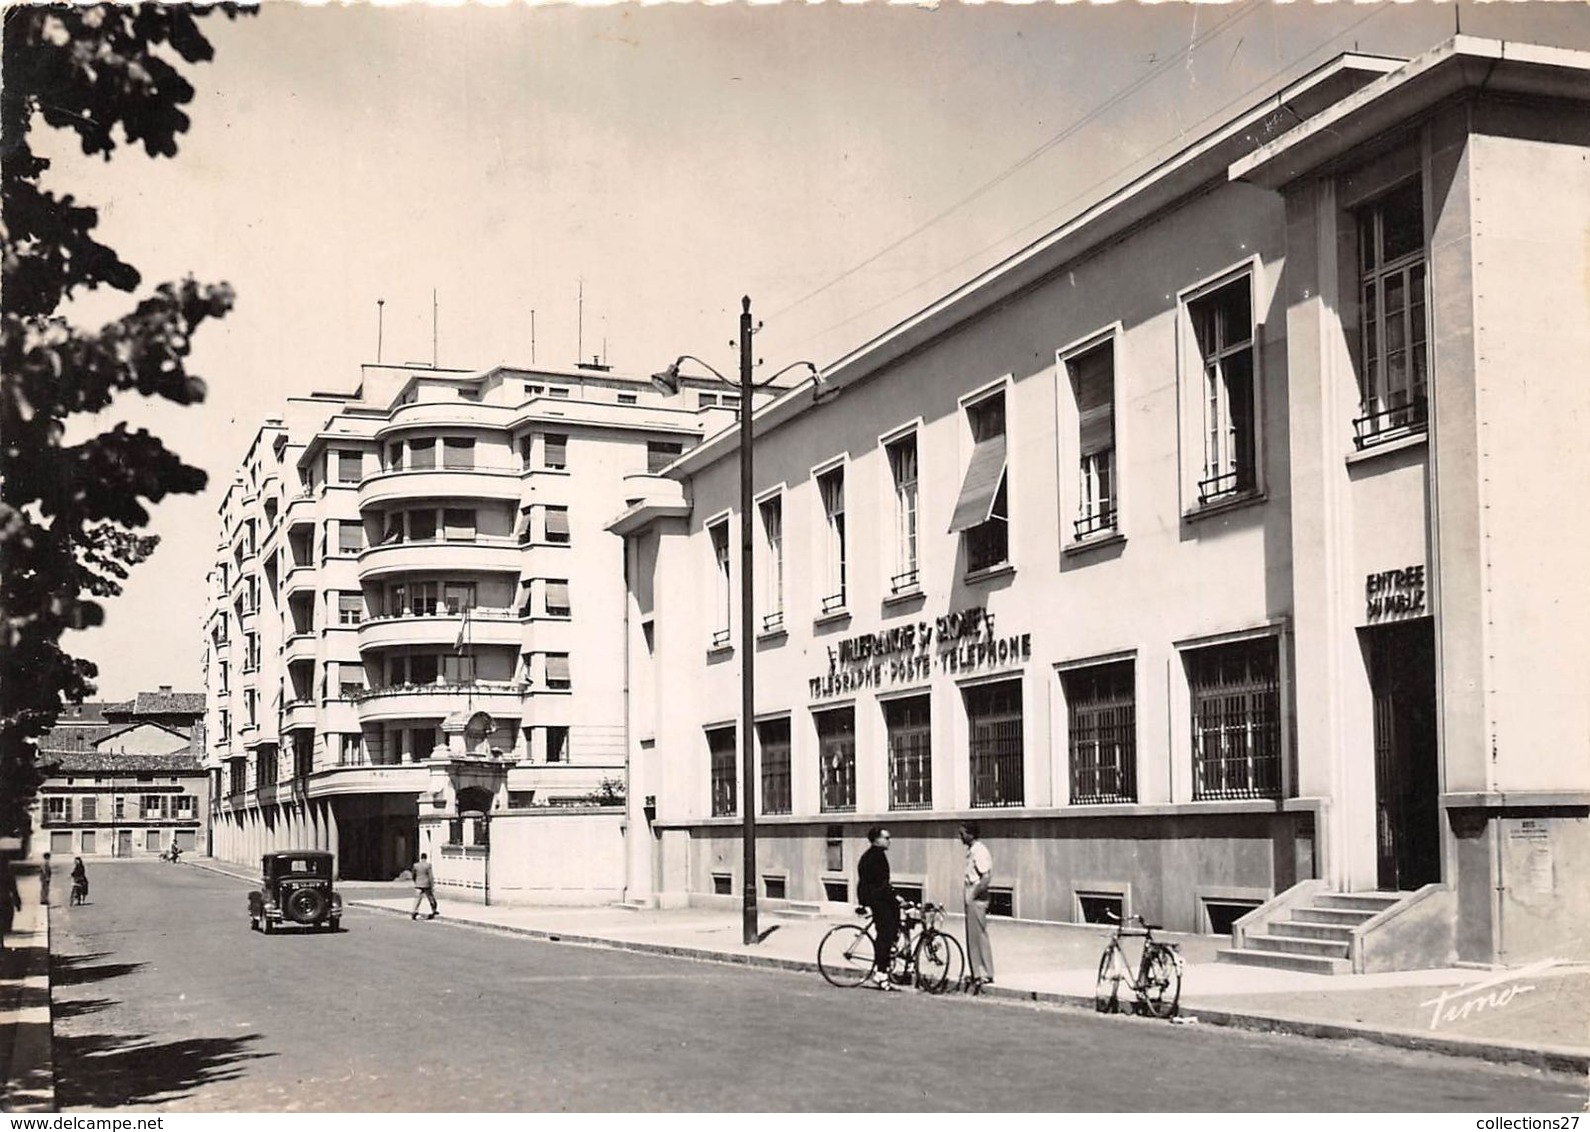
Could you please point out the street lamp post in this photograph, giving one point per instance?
(668, 382)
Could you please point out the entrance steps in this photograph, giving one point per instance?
(1314, 934)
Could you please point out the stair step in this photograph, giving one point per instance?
(632, 906)
(1367, 901)
(1315, 915)
(801, 910)
(1298, 945)
(1336, 933)
(1285, 960)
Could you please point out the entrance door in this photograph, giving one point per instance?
(1407, 825)
(124, 843)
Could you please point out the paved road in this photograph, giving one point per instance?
(165, 1000)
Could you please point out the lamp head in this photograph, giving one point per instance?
(822, 390)
(667, 381)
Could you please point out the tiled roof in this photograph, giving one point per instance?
(89, 712)
(100, 762)
(169, 703)
(72, 737)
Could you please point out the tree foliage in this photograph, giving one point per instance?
(69, 513)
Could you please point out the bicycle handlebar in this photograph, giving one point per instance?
(1142, 923)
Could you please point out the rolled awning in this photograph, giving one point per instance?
(983, 476)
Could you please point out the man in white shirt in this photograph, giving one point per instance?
(979, 876)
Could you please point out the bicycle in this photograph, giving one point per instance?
(925, 955)
(1157, 983)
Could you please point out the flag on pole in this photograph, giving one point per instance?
(463, 632)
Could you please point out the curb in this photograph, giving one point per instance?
(1547, 1058)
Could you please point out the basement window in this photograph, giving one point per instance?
(774, 888)
(1221, 915)
(836, 891)
(1100, 907)
(722, 884)
(1002, 902)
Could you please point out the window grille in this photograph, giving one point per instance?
(993, 716)
(1222, 325)
(1102, 707)
(1236, 720)
(773, 736)
(909, 724)
(720, 748)
(836, 750)
(1392, 293)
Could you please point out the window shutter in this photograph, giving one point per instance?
(557, 595)
(1094, 377)
(557, 667)
(983, 477)
(558, 521)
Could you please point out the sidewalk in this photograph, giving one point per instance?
(27, 1075)
(1531, 1016)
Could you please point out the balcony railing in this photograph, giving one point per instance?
(905, 582)
(1091, 524)
(1389, 423)
(439, 689)
(437, 609)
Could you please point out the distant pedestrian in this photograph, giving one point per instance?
(875, 890)
(979, 876)
(44, 882)
(79, 882)
(10, 899)
(424, 887)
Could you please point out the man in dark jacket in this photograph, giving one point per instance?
(873, 888)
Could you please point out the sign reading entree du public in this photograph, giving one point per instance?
(964, 641)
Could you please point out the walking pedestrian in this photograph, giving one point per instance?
(424, 887)
(79, 882)
(44, 882)
(10, 899)
(875, 890)
(979, 876)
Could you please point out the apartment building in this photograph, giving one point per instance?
(1215, 552)
(419, 570)
(125, 779)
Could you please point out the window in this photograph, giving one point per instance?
(422, 454)
(457, 597)
(555, 451)
(902, 466)
(90, 808)
(719, 534)
(831, 487)
(557, 597)
(350, 750)
(557, 525)
(773, 737)
(661, 453)
(558, 671)
(250, 706)
(459, 524)
(557, 744)
(720, 752)
(350, 608)
(558, 392)
(836, 752)
(1093, 388)
(350, 680)
(455, 669)
(983, 513)
(1391, 290)
(57, 809)
(1101, 702)
(993, 718)
(422, 526)
(239, 766)
(458, 453)
(1222, 325)
(394, 456)
(908, 722)
(771, 512)
(628, 399)
(1236, 720)
(303, 759)
(265, 768)
(350, 536)
(350, 467)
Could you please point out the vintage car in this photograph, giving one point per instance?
(295, 888)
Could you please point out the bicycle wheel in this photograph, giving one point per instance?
(1107, 991)
(845, 955)
(938, 962)
(1159, 987)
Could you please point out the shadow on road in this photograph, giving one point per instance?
(105, 1070)
(74, 970)
(77, 1007)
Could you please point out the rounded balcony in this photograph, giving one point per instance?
(486, 553)
(298, 715)
(452, 415)
(371, 778)
(486, 627)
(404, 484)
(299, 646)
(502, 699)
(299, 578)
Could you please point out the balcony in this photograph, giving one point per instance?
(485, 553)
(298, 714)
(299, 646)
(439, 483)
(449, 414)
(397, 778)
(486, 627)
(501, 698)
(300, 577)
(300, 511)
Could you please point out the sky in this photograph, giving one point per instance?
(843, 166)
